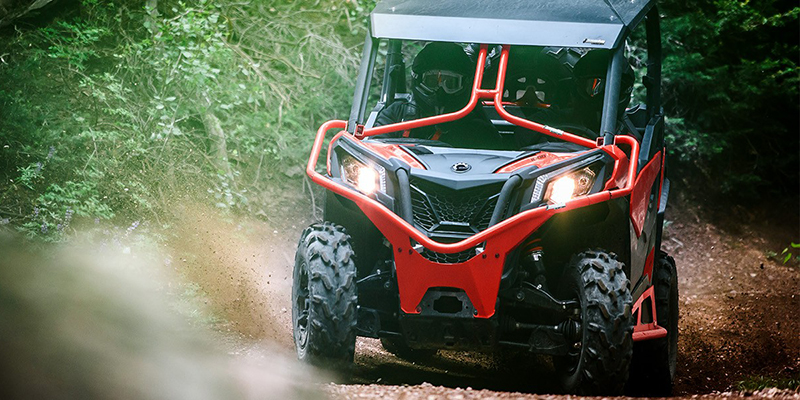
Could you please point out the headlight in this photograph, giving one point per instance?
(367, 179)
(561, 190)
(570, 185)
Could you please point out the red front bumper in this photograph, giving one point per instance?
(479, 277)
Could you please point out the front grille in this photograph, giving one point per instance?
(440, 209)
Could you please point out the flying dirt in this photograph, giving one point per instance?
(735, 311)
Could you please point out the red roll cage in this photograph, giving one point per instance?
(367, 203)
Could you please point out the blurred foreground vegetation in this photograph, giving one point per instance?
(118, 111)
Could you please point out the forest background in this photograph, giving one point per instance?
(114, 113)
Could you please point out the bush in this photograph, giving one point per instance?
(731, 93)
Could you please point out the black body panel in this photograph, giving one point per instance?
(568, 23)
(367, 240)
(603, 225)
(437, 332)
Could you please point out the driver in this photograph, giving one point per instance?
(442, 76)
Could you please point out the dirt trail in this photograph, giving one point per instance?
(738, 309)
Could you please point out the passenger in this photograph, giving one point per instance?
(442, 75)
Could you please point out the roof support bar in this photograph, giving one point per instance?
(362, 84)
(611, 97)
(392, 76)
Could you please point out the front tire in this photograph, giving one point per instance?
(599, 363)
(324, 297)
(655, 361)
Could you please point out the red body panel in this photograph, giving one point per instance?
(539, 159)
(388, 151)
(649, 330)
(641, 192)
(479, 276)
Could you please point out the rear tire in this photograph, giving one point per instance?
(655, 361)
(599, 363)
(324, 297)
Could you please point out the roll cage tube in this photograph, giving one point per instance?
(527, 219)
(495, 94)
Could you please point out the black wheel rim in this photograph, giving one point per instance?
(573, 358)
(575, 351)
(302, 306)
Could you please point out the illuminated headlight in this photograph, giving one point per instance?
(571, 185)
(562, 190)
(367, 179)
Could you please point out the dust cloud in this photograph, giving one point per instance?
(91, 322)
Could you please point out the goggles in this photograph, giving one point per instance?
(451, 82)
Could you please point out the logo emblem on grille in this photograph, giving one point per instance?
(461, 167)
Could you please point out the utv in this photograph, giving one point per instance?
(542, 235)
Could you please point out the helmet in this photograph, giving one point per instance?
(590, 73)
(442, 78)
(540, 75)
(590, 81)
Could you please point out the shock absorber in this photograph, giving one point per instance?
(532, 261)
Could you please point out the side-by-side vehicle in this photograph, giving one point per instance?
(516, 205)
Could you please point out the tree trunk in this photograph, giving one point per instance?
(219, 146)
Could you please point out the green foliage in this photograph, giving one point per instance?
(760, 382)
(790, 253)
(731, 92)
(116, 112)
(72, 41)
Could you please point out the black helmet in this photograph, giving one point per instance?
(590, 73)
(442, 78)
(540, 74)
(590, 82)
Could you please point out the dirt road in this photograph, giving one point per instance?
(739, 309)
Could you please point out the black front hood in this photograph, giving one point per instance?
(461, 168)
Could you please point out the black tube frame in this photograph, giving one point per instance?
(362, 83)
